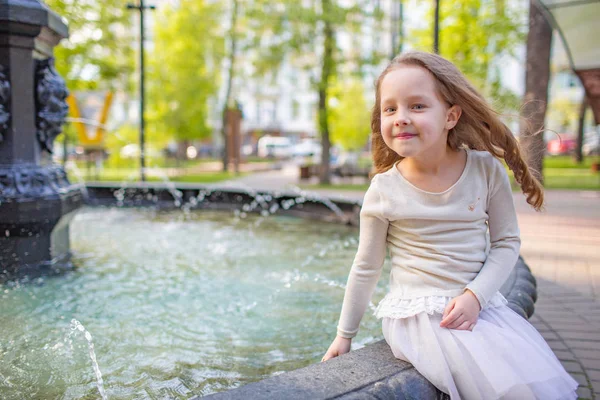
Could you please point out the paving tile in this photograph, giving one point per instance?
(584, 393)
(564, 319)
(550, 306)
(565, 355)
(593, 375)
(581, 379)
(574, 327)
(565, 313)
(557, 345)
(591, 336)
(549, 335)
(572, 366)
(535, 318)
(581, 344)
(589, 364)
(596, 386)
(589, 354)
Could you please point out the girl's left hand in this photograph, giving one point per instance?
(462, 312)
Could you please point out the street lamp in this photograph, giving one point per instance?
(141, 7)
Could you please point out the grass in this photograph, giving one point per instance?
(560, 172)
(133, 175)
(569, 162)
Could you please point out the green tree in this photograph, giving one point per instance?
(185, 69)
(308, 35)
(474, 34)
(349, 116)
(98, 53)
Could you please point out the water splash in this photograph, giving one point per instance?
(77, 326)
(171, 188)
(313, 196)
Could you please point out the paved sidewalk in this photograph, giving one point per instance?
(562, 247)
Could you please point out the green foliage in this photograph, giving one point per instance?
(99, 53)
(562, 115)
(306, 34)
(474, 34)
(349, 116)
(291, 30)
(185, 69)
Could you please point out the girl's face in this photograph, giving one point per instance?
(414, 118)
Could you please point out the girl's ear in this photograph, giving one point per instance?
(452, 116)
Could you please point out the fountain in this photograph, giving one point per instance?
(36, 198)
(186, 290)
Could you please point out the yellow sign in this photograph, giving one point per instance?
(89, 132)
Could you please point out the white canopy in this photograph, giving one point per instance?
(578, 24)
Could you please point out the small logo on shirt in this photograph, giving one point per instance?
(472, 206)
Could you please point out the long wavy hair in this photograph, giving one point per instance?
(479, 126)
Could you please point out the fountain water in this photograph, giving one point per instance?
(77, 326)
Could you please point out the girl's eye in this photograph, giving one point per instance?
(419, 106)
(388, 109)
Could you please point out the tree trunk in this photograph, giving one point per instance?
(537, 76)
(326, 72)
(233, 39)
(397, 31)
(580, 129)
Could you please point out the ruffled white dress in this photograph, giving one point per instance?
(466, 237)
(504, 357)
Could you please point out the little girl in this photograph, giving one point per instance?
(439, 188)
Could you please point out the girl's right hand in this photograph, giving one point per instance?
(340, 345)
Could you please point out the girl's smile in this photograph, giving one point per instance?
(405, 136)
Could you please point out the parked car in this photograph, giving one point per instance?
(274, 146)
(307, 148)
(561, 145)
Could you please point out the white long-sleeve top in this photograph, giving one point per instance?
(438, 242)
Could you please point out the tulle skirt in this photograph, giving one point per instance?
(504, 357)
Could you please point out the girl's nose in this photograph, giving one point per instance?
(402, 120)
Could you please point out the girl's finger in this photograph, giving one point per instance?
(450, 318)
(464, 326)
(448, 308)
(471, 327)
(457, 322)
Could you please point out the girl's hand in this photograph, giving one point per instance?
(462, 312)
(339, 346)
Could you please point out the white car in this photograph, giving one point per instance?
(307, 148)
(274, 146)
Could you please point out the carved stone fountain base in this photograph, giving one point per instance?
(36, 203)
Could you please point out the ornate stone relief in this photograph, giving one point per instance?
(4, 101)
(50, 101)
(19, 182)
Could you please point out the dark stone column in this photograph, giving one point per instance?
(35, 196)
